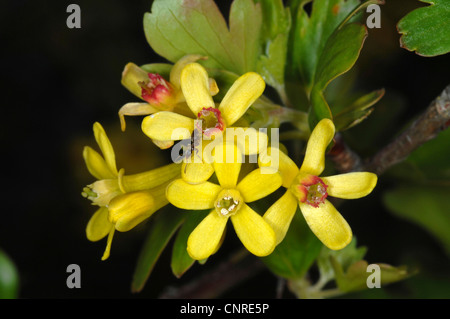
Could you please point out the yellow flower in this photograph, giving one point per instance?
(124, 200)
(160, 94)
(306, 189)
(228, 201)
(168, 126)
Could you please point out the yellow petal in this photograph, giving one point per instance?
(350, 185)
(241, 95)
(227, 164)
(327, 224)
(249, 140)
(175, 72)
(195, 173)
(257, 185)
(278, 160)
(108, 244)
(167, 126)
(195, 87)
(128, 210)
(151, 178)
(163, 144)
(131, 76)
(98, 226)
(189, 196)
(96, 165)
(321, 136)
(206, 237)
(135, 109)
(106, 147)
(280, 214)
(253, 231)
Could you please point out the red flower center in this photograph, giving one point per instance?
(313, 190)
(211, 121)
(156, 90)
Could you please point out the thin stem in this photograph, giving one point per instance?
(426, 127)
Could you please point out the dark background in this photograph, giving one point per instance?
(56, 82)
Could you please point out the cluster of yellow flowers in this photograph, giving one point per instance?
(185, 105)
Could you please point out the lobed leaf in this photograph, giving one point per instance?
(426, 30)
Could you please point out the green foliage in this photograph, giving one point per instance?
(162, 230)
(427, 206)
(176, 28)
(181, 261)
(426, 30)
(296, 253)
(9, 278)
(422, 191)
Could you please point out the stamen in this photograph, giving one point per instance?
(228, 202)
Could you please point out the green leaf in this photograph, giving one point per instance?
(355, 277)
(357, 110)
(163, 228)
(427, 206)
(245, 29)
(310, 34)
(344, 257)
(9, 277)
(426, 30)
(181, 261)
(275, 32)
(340, 54)
(293, 257)
(175, 28)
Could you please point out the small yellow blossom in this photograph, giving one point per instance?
(214, 120)
(124, 200)
(306, 189)
(158, 93)
(227, 201)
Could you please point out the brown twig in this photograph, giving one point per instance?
(426, 127)
(217, 281)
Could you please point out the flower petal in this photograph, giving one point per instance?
(167, 126)
(151, 178)
(257, 185)
(253, 231)
(280, 214)
(189, 196)
(244, 91)
(249, 140)
(132, 109)
(206, 237)
(98, 226)
(195, 87)
(195, 173)
(278, 160)
(327, 224)
(227, 164)
(175, 72)
(350, 185)
(96, 165)
(321, 136)
(106, 147)
(128, 210)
